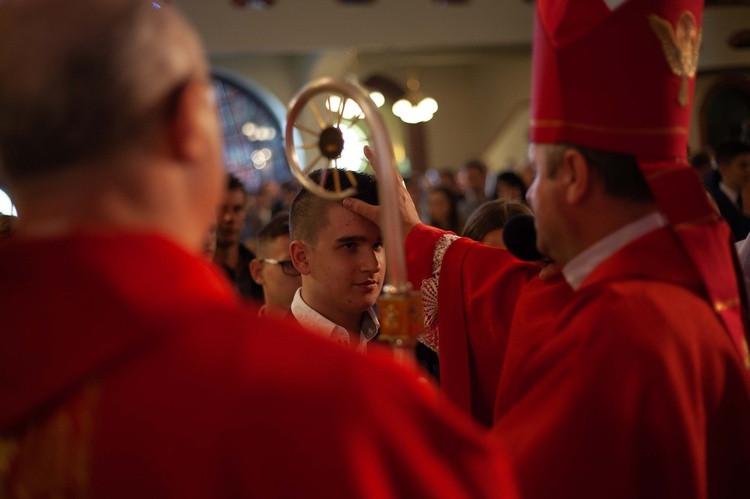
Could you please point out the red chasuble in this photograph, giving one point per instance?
(478, 296)
(639, 392)
(129, 369)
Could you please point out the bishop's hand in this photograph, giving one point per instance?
(408, 211)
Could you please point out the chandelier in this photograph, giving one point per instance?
(415, 106)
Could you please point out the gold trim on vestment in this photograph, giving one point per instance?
(697, 222)
(721, 306)
(52, 457)
(672, 130)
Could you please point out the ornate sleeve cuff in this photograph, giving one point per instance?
(429, 291)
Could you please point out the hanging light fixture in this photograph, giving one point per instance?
(415, 106)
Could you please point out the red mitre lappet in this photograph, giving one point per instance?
(618, 76)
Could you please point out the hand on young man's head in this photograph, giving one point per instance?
(407, 209)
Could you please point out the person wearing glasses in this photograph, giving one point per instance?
(129, 366)
(341, 258)
(273, 268)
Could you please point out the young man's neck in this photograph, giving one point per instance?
(351, 322)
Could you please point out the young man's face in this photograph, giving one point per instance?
(346, 266)
(231, 218)
(736, 174)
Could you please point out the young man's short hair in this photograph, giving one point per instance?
(309, 212)
(234, 183)
(278, 226)
(727, 150)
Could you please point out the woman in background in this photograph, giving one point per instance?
(487, 222)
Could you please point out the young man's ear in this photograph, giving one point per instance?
(256, 271)
(576, 173)
(299, 254)
(194, 108)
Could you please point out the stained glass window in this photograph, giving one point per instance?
(253, 135)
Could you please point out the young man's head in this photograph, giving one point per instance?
(733, 159)
(339, 253)
(273, 268)
(231, 215)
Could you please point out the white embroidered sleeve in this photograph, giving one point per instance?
(429, 291)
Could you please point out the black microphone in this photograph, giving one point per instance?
(519, 236)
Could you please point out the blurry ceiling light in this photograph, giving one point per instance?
(351, 109)
(415, 107)
(257, 133)
(378, 98)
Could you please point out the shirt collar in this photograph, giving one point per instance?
(313, 320)
(730, 193)
(584, 263)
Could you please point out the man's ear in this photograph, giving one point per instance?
(299, 252)
(193, 109)
(256, 271)
(576, 174)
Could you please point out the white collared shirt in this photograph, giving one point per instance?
(314, 321)
(584, 263)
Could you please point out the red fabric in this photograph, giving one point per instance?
(199, 397)
(707, 240)
(637, 393)
(478, 290)
(622, 81)
(533, 323)
(601, 79)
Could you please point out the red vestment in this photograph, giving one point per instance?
(629, 387)
(479, 290)
(128, 368)
(638, 392)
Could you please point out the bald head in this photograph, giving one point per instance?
(83, 79)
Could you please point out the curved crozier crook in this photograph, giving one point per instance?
(323, 138)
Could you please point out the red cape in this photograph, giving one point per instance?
(129, 369)
(478, 303)
(638, 392)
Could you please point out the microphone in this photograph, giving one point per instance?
(519, 236)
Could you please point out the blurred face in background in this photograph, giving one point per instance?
(231, 218)
(439, 206)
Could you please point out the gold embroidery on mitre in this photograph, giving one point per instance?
(680, 46)
(51, 458)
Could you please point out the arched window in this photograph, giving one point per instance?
(253, 134)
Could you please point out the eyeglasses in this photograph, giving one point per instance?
(287, 266)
